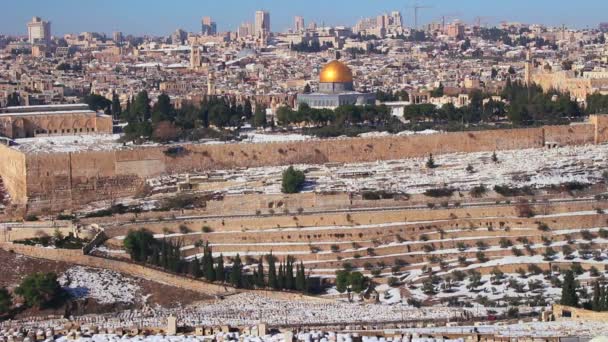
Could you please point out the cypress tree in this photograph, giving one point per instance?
(569, 296)
(116, 109)
(604, 301)
(210, 272)
(289, 278)
(301, 278)
(236, 272)
(596, 303)
(195, 268)
(281, 278)
(272, 272)
(259, 278)
(219, 271)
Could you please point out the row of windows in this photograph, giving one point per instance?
(63, 131)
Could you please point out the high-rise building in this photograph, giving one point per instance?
(262, 24)
(39, 31)
(117, 37)
(299, 24)
(179, 37)
(396, 19)
(245, 30)
(208, 27)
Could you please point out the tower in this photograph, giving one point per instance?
(195, 57)
(299, 24)
(528, 71)
(210, 87)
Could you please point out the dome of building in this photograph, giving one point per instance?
(336, 72)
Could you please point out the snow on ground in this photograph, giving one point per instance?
(585, 329)
(531, 167)
(265, 138)
(106, 287)
(69, 143)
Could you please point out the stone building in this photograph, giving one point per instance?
(51, 120)
(336, 89)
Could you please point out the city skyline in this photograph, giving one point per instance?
(155, 19)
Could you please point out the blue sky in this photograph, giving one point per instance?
(160, 17)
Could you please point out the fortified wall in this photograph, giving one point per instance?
(50, 182)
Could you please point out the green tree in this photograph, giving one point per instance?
(569, 295)
(259, 118)
(139, 244)
(208, 270)
(163, 109)
(39, 289)
(301, 278)
(293, 181)
(272, 272)
(248, 110)
(307, 89)
(220, 274)
(6, 301)
(236, 273)
(342, 280)
(259, 279)
(140, 108)
(116, 108)
(97, 102)
(357, 282)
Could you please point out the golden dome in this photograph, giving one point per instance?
(336, 72)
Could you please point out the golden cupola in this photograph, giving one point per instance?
(336, 72)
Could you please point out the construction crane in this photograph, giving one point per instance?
(416, 7)
(482, 20)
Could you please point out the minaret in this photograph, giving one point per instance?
(210, 89)
(528, 75)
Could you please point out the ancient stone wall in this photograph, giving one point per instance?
(12, 171)
(58, 181)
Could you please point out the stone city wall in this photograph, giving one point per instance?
(58, 181)
(12, 171)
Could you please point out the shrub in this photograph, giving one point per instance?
(377, 195)
(184, 229)
(505, 243)
(524, 209)
(206, 229)
(478, 191)
(587, 235)
(293, 181)
(430, 163)
(31, 218)
(508, 191)
(481, 245)
(440, 192)
(481, 257)
(543, 227)
(39, 289)
(392, 282)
